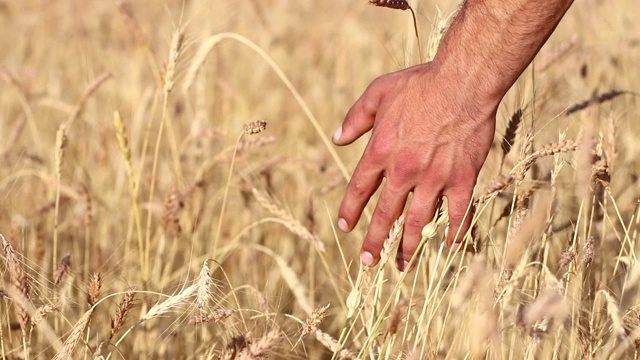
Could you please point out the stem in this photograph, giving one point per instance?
(226, 193)
(152, 188)
(415, 28)
(212, 41)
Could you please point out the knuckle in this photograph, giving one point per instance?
(414, 220)
(464, 181)
(378, 82)
(369, 104)
(384, 214)
(456, 217)
(357, 188)
(458, 210)
(436, 177)
(367, 101)
(379, 150)
(408, 249)
(405, 169)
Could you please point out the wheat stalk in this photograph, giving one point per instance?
(402, 5)
(395, 234)
(549, 305)
(497, 185)
(212, 317)
(391, 4)
(547, 150)
(509, 137)
(254, 127)
(87, 221)
(611, 149)
(593, 100)
(289, 221)
(169, 304)
(617, 325)
(161, 308)
(62, 270)
(203, 295)
(332, 344)
(294, 283)
(123, 145)
(168, 78)
(312, 322)
(475, 274)
(170, 221)
(396, 318)
(567, 257)
(262, 346)
(69, 346)
(93, 290)
(61, 143)
(631, 287)
(42, 312)
(121, 312)
(251, 128)
(211, 42)
(18, 280)
(263, 304)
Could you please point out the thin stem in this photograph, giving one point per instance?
(415, 28)
(152, 188)
(226, 193)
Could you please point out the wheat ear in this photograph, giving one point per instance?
(18, 280)
(125, 150)
(69, 346)
(401, 5)
(61, 143)
(121, 313)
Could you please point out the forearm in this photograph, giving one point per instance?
(491, 42)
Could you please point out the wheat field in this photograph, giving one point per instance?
(168, 189)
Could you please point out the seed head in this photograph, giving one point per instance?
(589, 251)
(429, 231)
(566, 257)
(255, 127)
(391, 4)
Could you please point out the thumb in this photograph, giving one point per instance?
(361, 116)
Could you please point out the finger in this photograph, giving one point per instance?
(460, 213)
(361, 116)
(389, 208)
(363, 184)
(420, 213)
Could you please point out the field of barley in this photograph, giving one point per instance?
(168, 189)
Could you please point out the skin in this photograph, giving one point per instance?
(432, 124)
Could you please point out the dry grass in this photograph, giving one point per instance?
(148, 212)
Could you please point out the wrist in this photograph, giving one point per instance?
(491, 42)
(478, 90)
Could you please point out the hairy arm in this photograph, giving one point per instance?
(433, 124)
(491, 42)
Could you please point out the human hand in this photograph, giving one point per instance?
(431, 135)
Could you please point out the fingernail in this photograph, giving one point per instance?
(455, 247)
(337, 134)
(366, 258)
(402, 264)
(342, 225)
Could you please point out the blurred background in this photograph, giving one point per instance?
(124, 164)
